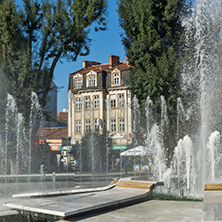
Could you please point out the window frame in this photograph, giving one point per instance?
(96, 125)
(87, 126)
(116, 78)
(78, 126)
(91, 82)
(87, 102)
(113, 103)
(96, 101)
(121, 124)
(78, 104)
(78, 82)
(120, 99)
(113, 125)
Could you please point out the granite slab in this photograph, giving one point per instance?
(67, 191)
(213, 196)
(212, 207)
(69, 205)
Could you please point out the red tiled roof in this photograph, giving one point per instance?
(53, 133)
(104, 67)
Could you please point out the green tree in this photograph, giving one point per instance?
(153, 41)
(36, 36)
(95, 150)
(61, 120)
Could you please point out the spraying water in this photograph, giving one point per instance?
(197, 156)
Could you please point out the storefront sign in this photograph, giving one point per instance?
(67, 148)
(119, 147)
(56, 147)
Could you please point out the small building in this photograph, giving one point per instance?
(62, 115)
(62, 119)
(99, 100)
(55, 138)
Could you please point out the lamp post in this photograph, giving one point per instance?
(108, 107)
(92, 141)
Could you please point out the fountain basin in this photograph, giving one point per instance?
(66, 206)
(212, 207)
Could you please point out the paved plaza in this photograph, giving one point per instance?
(62, 205)
(152, 210)
(69, 206)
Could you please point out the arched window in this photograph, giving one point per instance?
(115, 78)
(91, 79)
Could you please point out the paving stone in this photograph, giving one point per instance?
(213, 196)
(212, 207)
(152, 210)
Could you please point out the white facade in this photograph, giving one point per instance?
(100, 101)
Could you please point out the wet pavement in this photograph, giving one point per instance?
(67, 204)
(152, 210)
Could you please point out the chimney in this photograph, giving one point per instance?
(113, 60)
(87, 63)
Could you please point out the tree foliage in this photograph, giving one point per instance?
(34, 37)
(153, 41)
(95, 148)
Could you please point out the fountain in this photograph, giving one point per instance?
(21, 169)
(196, 156)
(196, 159)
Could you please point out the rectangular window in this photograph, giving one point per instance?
(78, 82)
(113, 125)
(121, 125)
(96, 102)
(88, 128)
(78, 126)
(113, 101)
(87, 102)
(78, 104)
(116, 78)
(96, 125)
(91, 80)
(121, 100)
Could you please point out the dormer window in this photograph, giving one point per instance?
(115, 78)
(91, 79)
(77, 81)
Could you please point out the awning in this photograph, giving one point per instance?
(119, 147)
(137, 151)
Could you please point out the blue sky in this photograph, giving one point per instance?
(104, 43)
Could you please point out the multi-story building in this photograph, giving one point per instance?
(99, 100)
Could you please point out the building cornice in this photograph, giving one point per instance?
(118, 88)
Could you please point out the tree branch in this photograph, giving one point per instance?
(44, 51)
(50, 77)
